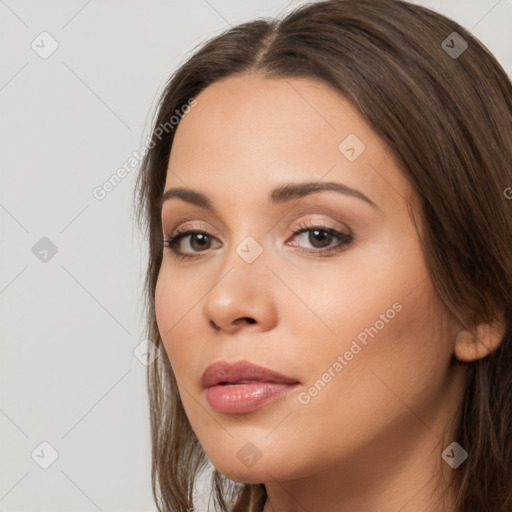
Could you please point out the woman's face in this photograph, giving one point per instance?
(357, 325)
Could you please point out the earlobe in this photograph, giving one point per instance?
(471, 345)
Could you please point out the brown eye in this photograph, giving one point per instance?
(321, 238)
(198, 241)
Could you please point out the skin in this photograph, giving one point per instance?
(371, 439)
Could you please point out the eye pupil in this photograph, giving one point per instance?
(201, 237)
(324, 239)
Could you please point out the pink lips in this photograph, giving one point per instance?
(242, 387)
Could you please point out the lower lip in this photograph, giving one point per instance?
(246, 397)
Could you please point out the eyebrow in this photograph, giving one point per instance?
(279, 195)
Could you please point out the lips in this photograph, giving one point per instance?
(240, 372)
(241, 387)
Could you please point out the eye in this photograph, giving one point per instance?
(320, 237)
(198, 241)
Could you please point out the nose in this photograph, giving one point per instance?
(242, 298)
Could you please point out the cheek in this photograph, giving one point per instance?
(380, 333)
(378, 291)
(177, 305)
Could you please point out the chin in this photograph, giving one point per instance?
(263, 470)
(234, 471)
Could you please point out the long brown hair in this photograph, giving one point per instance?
(447, 115)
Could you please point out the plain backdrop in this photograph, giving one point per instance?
(73, 391)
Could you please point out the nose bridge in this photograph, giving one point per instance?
(241, 289)
(250, 249)
(247, 239)
(245, 262)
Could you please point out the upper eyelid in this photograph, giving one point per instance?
(306, 206)
(205, 215)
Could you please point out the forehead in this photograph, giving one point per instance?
(255, 133)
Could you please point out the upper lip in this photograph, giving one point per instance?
(231, 373)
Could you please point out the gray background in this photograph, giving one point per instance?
(70, 321)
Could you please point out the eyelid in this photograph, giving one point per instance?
(186, 226)
(320, 222)
(305, 207)
(191, 215)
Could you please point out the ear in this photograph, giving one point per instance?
(476, 343)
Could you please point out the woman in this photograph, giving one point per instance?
(330, 267)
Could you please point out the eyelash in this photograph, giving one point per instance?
(303, 227)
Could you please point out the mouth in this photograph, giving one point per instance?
(243, 387)
(237, 383)
(245, 397)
